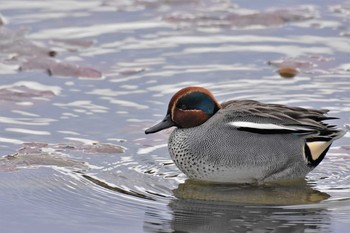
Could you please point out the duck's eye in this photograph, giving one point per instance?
(183, 107)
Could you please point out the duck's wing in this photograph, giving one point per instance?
(263, 118)
(260, 118)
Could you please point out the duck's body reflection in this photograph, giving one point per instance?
(201, 207)
(290, 193)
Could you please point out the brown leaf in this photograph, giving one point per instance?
(32, 56)
(54, 67)
(94, 148)
(308, 64)
(287, 72)
(261, 18)
(131, 71)
(43, 154)
(22, 92)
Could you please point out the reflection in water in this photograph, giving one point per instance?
(264, 194)
(200, 216)
(203, 207)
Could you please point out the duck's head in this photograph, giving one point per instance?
(189, 107)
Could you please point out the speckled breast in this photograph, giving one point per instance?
(195, 164)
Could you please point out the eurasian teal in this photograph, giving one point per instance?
(244, 141)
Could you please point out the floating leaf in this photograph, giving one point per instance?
(23, 91)
(288, 72)
(34, 154)
(54, 67)
(29, 55)
(131, 71)
(262, 18)
(289, 67)
(43, 154)
(93, 148)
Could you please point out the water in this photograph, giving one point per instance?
(75, 157)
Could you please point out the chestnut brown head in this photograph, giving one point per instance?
(189, 107)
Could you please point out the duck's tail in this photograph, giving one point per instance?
(317, 146)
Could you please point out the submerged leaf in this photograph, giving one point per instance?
(94, 148)
(34, 154)
(54, 67)
(43, 154)
(29, 55)
(23, 91)
(262, 18)
(131, 71)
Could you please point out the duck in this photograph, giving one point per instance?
(244, 141)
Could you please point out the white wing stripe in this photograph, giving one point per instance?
(267, 126)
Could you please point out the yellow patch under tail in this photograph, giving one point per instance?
(317, 148)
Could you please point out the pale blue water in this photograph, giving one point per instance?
(96, 171)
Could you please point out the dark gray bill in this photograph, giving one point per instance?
(164, 124)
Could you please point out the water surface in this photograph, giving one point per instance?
(81, 80)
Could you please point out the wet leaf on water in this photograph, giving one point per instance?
(22, 92)
(292, 66)
(262, 18)
(43, 154)
(54, 67)
(95, 148)
(131, 71)
(288, 72)
(36, 154)
(33, 146)
(29, 55)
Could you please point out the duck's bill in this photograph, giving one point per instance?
(164, 124)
